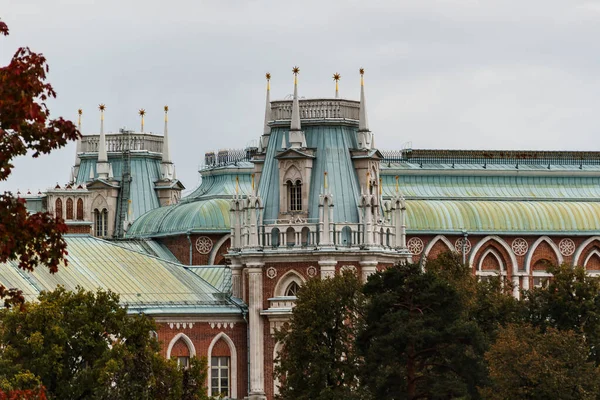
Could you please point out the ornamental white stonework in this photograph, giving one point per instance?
(204, 245)
(271, 273)
(179, 325)
(458, 245)
(415, 245)
(350, 268)
(520, 246)
(566, 247)
(220, 325)
(311, 271)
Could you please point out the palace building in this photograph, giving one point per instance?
(219, 268)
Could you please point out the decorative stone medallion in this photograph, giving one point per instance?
(311, 271)
(566, 247)
(415, 245)
(520, 246)
(271, 272)
(204, 245)
(458, 245)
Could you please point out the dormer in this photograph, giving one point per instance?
(295, 168)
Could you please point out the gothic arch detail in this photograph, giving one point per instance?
(499, 259)
(233, 363)
(592, 253)
(285, 281)
(215, 249)
(432, 243)
(494, 238)
(582, 247)
(534, 246)
(186, 340)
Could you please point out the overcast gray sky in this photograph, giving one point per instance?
(469, 74)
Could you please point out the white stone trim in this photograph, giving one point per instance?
(285, 280)
(430, 245)
(498, 257)
(582, 247)
(215, 249)
(276, 350)
(534, 246)
(233, 363)
(592, 253)
(501, 242)
(186, 340)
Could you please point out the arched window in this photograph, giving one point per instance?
(69, 208)
(58, 211)
(292, 289)
(290, 237)
(275, 237)
(79, 209)
(101, 222)
(295, 195)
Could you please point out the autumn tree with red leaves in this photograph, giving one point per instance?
(25, 126)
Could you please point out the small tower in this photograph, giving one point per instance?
(102, 165)
(364, 134)
(297, 139)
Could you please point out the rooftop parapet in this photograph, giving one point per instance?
(316, 109)
(124, 140)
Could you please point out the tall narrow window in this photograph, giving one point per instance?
(79, 209)
(295, 195)
(69, 208)
(219, 373)
(58, 211)
(105, 222)
(100, 222)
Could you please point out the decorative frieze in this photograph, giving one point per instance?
(220, 325)
(179, 325)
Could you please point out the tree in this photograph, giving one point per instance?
(318, 360)
(526, 363)
(418, 340)
(25, 125)
(84, 345)
(569, 301)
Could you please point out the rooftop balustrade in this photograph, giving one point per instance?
(316, 109)
(122, 141)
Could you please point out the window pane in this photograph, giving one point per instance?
(214, 361)
(225, 361)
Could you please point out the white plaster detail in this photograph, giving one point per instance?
(534, 246)
(311, 271)
(285, 281)
(178, 325)
(566, 247)
(220, 325)
(204, 245)
(594, 252)
(186, 340)
(460, 242)
(215, 249)
(582, 247)
(233, 363)
(271, 272)
(520, 246)
(501, 242)
(276, 351)
(415, 245)
(491, 251)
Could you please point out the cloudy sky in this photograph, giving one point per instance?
(494, 74)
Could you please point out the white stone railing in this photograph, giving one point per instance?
(118, 142)
(316, 109)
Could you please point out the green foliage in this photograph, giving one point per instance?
(85, 345)
(418, 340)
(318, 360)
(526, 363)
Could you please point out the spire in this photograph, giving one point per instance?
(142, 112)
(267, 129)
(166, 167)
(295, 105)
(336, 78)
(102, 166)
(78, 148)
(363, 122)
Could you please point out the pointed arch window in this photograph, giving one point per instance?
(58, 211)
(292, 289)
(69, 208)
(101, 222)
(79, 209)
(295, 195)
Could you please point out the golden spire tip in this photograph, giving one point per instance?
(166, 108)
(268, 75)
(142, 112)
(362, 71)
(80, 111)
(336, 76)
(101, 107)
(296, 70)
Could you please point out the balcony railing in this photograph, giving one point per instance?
(316, 109)
(119, 142)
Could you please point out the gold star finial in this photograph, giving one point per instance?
(80, 111)
(362, 71)
(101, 107)
(268, 75)
(142, 112)
(296, 70)
(166, 108)
(336, 76)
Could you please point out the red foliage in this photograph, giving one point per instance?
(25, 126)
(38, 394)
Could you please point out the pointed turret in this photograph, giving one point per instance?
(267, 128)
(77, 148)
(297, 139)
(167, 168)
(336, 78)
(364, 134)
(102, 166)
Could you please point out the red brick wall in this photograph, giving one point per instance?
(180, 247)
(79, 229)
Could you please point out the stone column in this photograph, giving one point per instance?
(515, 282)
(368, 268)
(327, 268)
(236, 280)
(255, 306)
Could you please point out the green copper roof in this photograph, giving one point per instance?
(211, 215)
(144, 283)
(221, 182)
(502, 216)
(148, 246)
(145, 170)
(332, 144)
(217, 276)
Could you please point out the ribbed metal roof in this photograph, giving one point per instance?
(148, 246)
(217, 276)
(144, 283)
(145, 170)
(502, 216)
(332, 144)
(221, 182)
